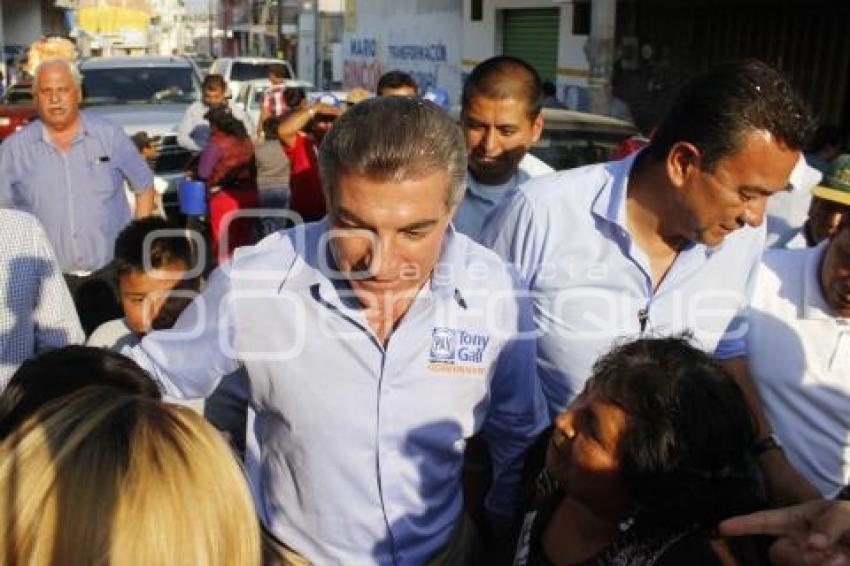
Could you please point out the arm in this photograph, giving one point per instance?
(187, 126)
(207, 160)
(784, 483)
(517, 415)
(297, 119)
(145, 202)
(55, 319)
(815, 532)
(190, 359)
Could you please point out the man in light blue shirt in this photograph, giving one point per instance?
(501, 118)
(664, 241)
(376, 342)
(68, 169)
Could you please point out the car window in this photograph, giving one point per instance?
(18, 96)
(139, 84)
(251, 71)
(568, 149)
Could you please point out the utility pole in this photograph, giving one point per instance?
(600, 54)
(319, 54)
(280, 29)
(210, 27)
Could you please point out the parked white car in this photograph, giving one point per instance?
(238, 70)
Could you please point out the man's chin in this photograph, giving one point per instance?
(491, 176)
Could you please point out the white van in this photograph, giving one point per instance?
(237, 70)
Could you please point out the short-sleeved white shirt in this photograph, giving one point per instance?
(799, 357)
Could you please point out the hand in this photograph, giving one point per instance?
(815, 532)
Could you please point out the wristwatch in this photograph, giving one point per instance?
(766, 444)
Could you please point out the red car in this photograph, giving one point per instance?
(17, 109)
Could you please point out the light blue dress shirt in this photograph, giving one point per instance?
(479, 201)
(78, 197)
(567, 235)
(361, 445)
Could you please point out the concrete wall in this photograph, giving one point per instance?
(421, 37)
(22, 22)
(483, 39)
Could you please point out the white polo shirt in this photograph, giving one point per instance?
(361, 445)
(799, 357)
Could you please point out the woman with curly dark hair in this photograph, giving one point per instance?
(644, 463)
(227, 165)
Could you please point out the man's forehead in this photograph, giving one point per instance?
(514, 108)
(54, 71)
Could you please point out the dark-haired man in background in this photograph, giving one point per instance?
(194, 130)
(664, 241)
(501, 119)
(396, 83)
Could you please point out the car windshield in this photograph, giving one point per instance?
(18, 96)
(252, 71)
(139, 84)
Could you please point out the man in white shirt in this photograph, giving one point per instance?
(799, 355)
(501, 119)
(194, 130)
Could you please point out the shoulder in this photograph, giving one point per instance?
(569, 188)
(479, 268)
(272, 261)
(98, 124)
(783, 260)
(533, 166)
(18, 141)
(108, 334)
(17, 223)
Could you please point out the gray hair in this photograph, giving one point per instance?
(69, 65)
(396, 139)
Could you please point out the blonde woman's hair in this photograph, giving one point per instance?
(115, 479)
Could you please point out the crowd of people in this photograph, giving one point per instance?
(422, 345)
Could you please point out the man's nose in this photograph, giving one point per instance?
(490, 142)
(383, 257)
(753, 213)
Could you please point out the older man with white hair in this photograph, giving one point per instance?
(68, 170)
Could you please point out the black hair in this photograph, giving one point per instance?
(715, 110)
(503, 77)
(58, 373)
(277, 70)
(686, 454)
(548, 88)
(221, 119)
(825, 135)
(294, 97)
(213, 81)
(271, 125)
(396, 79)
(130, 246)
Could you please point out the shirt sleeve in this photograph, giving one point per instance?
(518, 412)
(7, 178)
(733, 344)
(189, 360)
(207, 160)
(187, 125)
(129, 161)
(55, 319)
(513, 231)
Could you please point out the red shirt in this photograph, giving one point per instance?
(306, 198)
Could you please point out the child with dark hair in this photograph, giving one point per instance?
(152, 259)
(272, 178)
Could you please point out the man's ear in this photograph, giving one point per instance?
(683, 160)
(537, 127)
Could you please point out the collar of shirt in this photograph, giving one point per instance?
(610, 204)
(492, 194)
(45, 136)
(814, 305)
